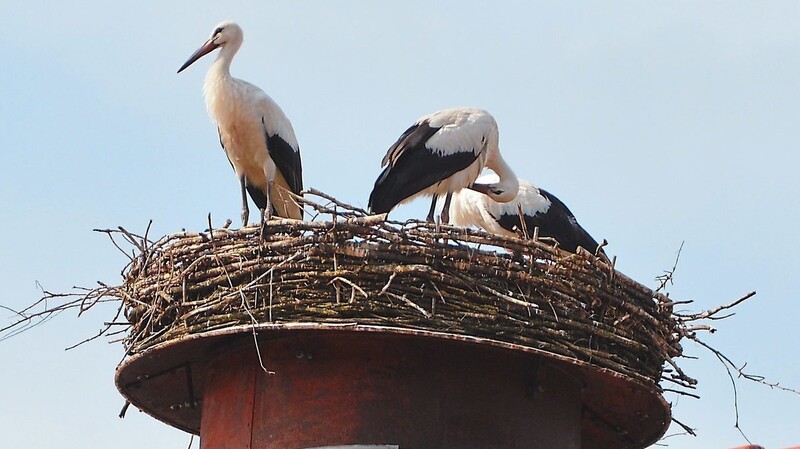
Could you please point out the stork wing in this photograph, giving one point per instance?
(438, 146)
(411, 166)
(556, 222)
(415, 136)
(281, 142)
(285, 153)
(571, 235)
(287, 161)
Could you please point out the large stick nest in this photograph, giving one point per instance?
(356, 268)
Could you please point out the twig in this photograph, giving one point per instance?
(102, 332)
(132, 239)
(740, 370)
(668, 275)
(333, 200)
(388, 283)
(681, 392)
(688, 429)
(722, 360)
(352, 285)
(110, 234)
(711, 314)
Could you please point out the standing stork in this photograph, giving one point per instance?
(440, 154)
(253, 131)
(537, 207)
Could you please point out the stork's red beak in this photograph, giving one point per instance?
(481, 188)
(207, 48)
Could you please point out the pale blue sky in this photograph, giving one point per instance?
(656, 122)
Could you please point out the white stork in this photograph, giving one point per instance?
(253, 130)
(536, 206)
(443, 153)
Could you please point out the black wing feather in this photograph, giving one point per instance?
(256, 194)
(558, 223)
(415, 136)
(287, 161)
(412, 167)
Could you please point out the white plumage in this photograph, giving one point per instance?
(443, 153)
(534, 207)
(253, 130)
(470, 208)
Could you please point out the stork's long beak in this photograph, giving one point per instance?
(207, 48)
(481, 188)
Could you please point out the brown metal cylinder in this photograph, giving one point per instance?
(341, 389)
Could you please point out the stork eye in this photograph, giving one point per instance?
(217, 31)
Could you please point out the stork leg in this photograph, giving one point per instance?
(245, 209)
(445, 215)
(266, 213)
(430, 218)
(263, 223)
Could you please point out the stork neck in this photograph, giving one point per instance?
(508, 185)
(222, 65)
(503, 170)
(218, 83)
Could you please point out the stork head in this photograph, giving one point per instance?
(501, 190)
(226, 35)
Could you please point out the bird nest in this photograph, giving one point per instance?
(357, 268)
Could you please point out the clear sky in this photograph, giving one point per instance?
(656, 122)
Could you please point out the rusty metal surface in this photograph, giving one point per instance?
(345, 389)
(617, 411)
(230, 415)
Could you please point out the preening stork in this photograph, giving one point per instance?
(536, 206)
(253, 130)
(443, 153)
